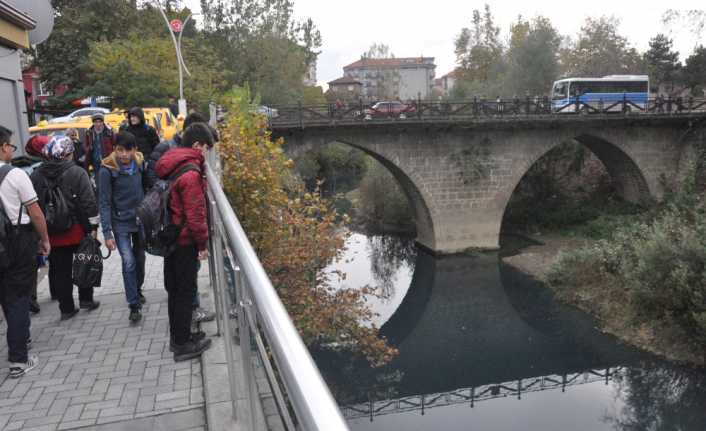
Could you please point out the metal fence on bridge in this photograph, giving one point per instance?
(288, 116)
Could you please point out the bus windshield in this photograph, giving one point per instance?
(560, 92)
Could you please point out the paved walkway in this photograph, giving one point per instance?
(98, 369)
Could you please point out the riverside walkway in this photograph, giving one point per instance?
(99, 372)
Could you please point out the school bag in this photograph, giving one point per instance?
(154, 221)
(57, 211)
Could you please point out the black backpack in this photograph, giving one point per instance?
(154, 221)
(57, 211)
(6, 229)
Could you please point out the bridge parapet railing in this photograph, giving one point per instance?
(421, 110)
(252, 319)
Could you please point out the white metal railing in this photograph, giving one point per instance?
(243, 290)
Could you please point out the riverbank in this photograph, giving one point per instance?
(608, 304)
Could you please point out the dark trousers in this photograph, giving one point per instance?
(180, 272)
(60, 278)
(15, 285)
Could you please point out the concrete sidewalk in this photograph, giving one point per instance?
(98, 372)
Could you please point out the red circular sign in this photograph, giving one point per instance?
(176, 25)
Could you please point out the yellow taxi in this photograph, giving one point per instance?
(49, 129)
(160, 118)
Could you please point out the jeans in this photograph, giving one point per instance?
(180, 272)
(15, 285)
(61, 280)
(132, 253)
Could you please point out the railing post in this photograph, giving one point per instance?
(301, 115)
(527, 104)
(245, 305)
(669, 104)
(227, 334)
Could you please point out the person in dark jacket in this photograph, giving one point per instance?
(98, 143)
(198, 314)
(145, 135)
(120, 192)
(187, 203)
(75, 185)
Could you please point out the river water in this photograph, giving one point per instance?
(483, 346)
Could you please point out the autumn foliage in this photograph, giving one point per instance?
(296, 235)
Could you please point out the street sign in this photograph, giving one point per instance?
(176, 25)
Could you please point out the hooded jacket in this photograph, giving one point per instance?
(145, 135)
(107, 138)
(151, 176)
(187, 199)
(120, 193)
(77, 189)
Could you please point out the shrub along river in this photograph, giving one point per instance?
(484, 346)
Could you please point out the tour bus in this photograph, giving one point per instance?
(600, 93)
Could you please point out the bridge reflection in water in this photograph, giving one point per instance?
(473, 329)
(470, 396)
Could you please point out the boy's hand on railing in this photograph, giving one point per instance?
(203, 254)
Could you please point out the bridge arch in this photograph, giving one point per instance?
(625, 172)
(407, 181)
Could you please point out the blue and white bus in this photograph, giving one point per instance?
(600, 92)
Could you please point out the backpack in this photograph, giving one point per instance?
(154, 221)
(57, 211)
(6, 229)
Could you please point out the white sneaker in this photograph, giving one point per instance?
(19, 369)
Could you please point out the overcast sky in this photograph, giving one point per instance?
(415, 27)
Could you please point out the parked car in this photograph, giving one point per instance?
(389, 109)
(83, 112)
(267, 111)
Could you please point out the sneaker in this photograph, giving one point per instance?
(142, 298)
(201, 315)
(195, 336)
(67, 316)
(19, 369)
(191, 349)
(135, 315)
(34, 306)
(89, 305)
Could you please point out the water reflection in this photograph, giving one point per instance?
(484, 345)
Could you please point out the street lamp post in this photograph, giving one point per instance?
(178, 27)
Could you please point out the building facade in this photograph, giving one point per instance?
(14, 37)
(393, 78)
(344, 89)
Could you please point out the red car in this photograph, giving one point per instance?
(389, 109)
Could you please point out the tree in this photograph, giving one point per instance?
(296, 235)
(695, 71)
(533, 56)
(63, 59)
(140, 72)
(262, 44)
(478, 49)
(662, 63)
(600, 50)
(378, 50)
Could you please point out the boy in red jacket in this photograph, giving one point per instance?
(187, 203)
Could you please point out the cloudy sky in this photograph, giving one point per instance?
(415, 27)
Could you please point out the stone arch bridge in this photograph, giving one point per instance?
(459, 175)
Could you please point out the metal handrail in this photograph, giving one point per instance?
(306, 391)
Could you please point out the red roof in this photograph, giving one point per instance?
(345, 80)
(391, 62)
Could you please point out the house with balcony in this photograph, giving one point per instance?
(393, 78)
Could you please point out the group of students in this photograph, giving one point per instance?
(123, 174)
